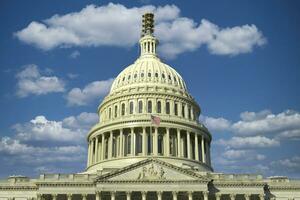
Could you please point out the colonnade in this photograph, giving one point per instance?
(158, 195)
(149, 141)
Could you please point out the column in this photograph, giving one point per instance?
(159, 195)
(190, 195)
(205, 195)
(174, 194)
(207, 152)
(144, 195)
(261, 197)
(92, 152)
(167, 147)
(110, 144)
(113, 195)
(218, 196)
(232, 196)
(188, 144)
(84, 196)
(144, 145)
(155, 141)
(103, 147)
(54, 196)
(121, 143)
(89, 154)
(96, 150)
(247, 196)
(196, 147)
(38, 196)
(202, 150)
(128, 195)
(132, 141)
(69, 196)
(186, 111)
(98, 195)
(178, 143)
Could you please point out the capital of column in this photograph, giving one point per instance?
(69, 196)
(247, 196)
(218, 196)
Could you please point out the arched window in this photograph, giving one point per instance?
(169, 77)
(163, 75)
(160, 147)
(156, 74)
(159, 107)
(140, 106)
(189, 112)
(123, 109)
(142, 75)
(131, 107)
(167, 107)
(109, 113)
(149, 74)
(176, 109)
(149, 106)
(116, 111)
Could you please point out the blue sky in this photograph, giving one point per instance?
(240, 60)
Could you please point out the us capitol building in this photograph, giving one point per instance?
(149, 145)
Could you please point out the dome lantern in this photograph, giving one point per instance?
(148, 42)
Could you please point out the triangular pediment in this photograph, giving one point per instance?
(152, 170)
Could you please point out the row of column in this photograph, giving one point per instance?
(111, 144)
(190, 195)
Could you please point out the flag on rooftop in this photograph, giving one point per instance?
(155, 120)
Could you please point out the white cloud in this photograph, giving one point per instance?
(248, 142)
(288, 164)
(92, 91)
(72, 76)
(30, 81)
(71, 129)
(99, 26)
(216, 124)
(243, 154)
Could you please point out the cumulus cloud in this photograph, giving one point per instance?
(243, 154)
(216, 124)
(71, 129)
(98, 26)
(92, 91)
(248, 142)
(288, 164)
(282, 125)
(30, 81)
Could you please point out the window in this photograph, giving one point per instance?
(149, 74)
(159, 107)
(127, 144)
(114, 147)
(139, 141)
(160, 146)
(176, 109)
(173, 145)
(167, 107)
(124, 78)
(109, 113)
(149, 106)
(163, 75)
(123, 109)
(189, 112)
(169, 77)
(129, 77)
(116, 111)
(142, 75)
(135, 75)
(183, 110)
(131, 107)
(156, 75)
(106, 148)
(140, 106)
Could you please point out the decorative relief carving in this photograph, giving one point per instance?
(152, 173)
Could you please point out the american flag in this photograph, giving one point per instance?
(155, 120)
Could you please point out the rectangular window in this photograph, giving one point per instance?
(176, 109)
(167, 107)
(131, 107)
(159, 107)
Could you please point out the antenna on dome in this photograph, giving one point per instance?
(148, 24)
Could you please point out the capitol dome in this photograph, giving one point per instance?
(148, 113)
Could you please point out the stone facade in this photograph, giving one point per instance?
(149, 144)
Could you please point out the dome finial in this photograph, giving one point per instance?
(148, 42)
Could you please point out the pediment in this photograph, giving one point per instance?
(151, 170)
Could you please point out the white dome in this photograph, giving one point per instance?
(147, 71)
